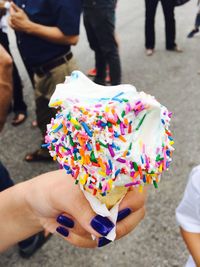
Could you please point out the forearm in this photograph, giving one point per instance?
(51, 34)
(192, 241)
(5, 85)
(17, 221)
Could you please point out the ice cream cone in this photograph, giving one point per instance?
(112, 197)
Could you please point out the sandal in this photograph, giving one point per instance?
(36, 242)
(38, 155)
(19, 118)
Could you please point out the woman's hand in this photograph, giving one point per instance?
(54, 202)
(56, 193)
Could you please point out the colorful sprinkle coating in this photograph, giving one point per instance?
(102, 144)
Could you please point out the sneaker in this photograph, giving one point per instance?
(192, 33)
(92, 72)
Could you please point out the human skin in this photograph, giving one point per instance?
(34, 205)
(5, 84)
(192, 241)
(19, 21)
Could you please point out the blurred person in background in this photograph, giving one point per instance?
(99, 22)
(170, 25)
(45, 31)
(197, 22)
(18, 106)
(93, 72)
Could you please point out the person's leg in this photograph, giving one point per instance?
(105, 33)
(19, 106)
(5, 180)
(170, 23)
(112, 50)
(44, 88)
(5, 85)
(197, 21)
(100, 62)
(150, 11)
(196, 26)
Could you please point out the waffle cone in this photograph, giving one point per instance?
(112, 197)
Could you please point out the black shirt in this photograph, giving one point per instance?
(64, 14)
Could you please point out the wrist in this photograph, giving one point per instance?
(30, 27)
(17, 221)
(32, 220)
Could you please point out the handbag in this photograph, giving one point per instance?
(180, 2)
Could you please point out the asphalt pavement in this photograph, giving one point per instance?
(173, 79)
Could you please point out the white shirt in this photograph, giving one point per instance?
(188, 211)
(4, 23)
(3, 20)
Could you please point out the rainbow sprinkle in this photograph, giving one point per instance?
(100, 144)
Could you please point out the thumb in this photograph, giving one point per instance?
(89, 220)
(75, 203)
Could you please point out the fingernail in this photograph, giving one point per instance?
(102, 225)
(103, 242)
(63, 231)
(123, 214)
(65, 221)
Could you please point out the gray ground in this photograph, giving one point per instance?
(173, 79)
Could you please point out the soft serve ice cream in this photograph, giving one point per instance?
(109, 139)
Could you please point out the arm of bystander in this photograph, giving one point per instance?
(19, 21)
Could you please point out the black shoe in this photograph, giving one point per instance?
(192, 33)
(28, 247)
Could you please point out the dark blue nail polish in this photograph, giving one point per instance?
(65, 221)
(103, 242)
(63, 231)
(102, 225)
(123, 214)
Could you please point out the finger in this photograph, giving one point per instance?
(15, 7)
(124, 227)
(12, 11)
(92, 223)
(134, 199)
(50, 225)
(11, 24)
(76, 240)
(129, 223)
(80, 208)
(69, 222)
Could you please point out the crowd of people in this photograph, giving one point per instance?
(50, 28)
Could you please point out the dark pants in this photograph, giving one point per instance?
(18, 102)
(197, 21)
(170, 31)
(100, 28)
